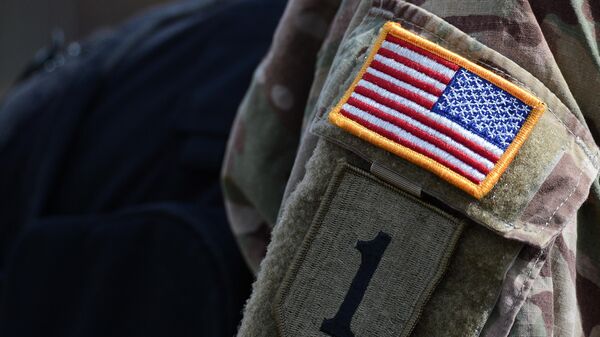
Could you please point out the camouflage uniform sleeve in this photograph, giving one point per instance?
(542, 279)
(556, 41)
(267, 128)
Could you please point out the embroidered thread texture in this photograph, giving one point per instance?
(483, 108)
(438, 110)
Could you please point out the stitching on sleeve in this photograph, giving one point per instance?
(529, 276)
(568, 197)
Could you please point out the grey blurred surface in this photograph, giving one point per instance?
(27, 25)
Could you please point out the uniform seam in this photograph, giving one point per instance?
(568, 197)
(522, 289)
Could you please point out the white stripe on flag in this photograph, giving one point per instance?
(492, 148)
(390, 95)
(468, 152)
(424, 60)
(410, 71)
(402, 84)
(417, 141)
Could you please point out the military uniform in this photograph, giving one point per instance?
(367, 238)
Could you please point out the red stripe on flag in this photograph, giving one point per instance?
(399, 90)
(416, 66)
(428, 121)
(420, 134)
(397, 139)
(422, 51)
(406, 78)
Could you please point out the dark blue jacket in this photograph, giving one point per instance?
(111, 219)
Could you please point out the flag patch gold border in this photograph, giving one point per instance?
(476, 190)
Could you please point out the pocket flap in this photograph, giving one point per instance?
(465, 124)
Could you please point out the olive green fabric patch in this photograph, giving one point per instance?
(368, 264)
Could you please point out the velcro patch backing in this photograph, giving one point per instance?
(438, 110)
(369, 263)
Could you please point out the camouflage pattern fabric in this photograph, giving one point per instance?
(553, 291)
(267, 129)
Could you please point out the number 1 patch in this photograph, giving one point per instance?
(438, 110)
(369, 262)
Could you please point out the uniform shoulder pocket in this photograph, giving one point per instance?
(463, 123)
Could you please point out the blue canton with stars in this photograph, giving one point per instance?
(482, 108)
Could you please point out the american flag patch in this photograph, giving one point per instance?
(438, 110)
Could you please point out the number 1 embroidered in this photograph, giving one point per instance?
(371, 253)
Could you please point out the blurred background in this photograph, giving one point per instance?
(26, 26)
(114, 119)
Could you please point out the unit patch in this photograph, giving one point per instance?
(438, 110)
(369, 263)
